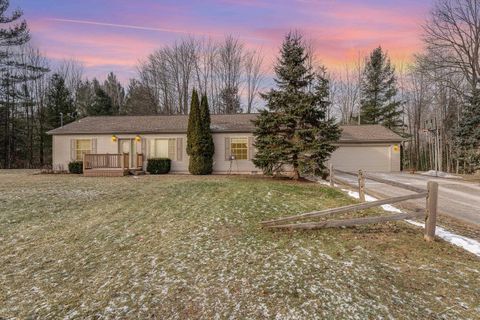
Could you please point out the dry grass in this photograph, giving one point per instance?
(190, 247)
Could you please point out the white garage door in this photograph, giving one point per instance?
(368, 158)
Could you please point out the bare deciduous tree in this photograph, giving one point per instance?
(254, 75)
(72, 71)
(452, 36)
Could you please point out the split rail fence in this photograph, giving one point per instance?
(431, 196)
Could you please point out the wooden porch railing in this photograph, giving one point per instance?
(106, 161)
(139, 160)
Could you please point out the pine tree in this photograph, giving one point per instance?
(102, 104)
(13, 33)
(140, 99)
(229, 101)
(468, 133)
(114, 89)
(378, 104)
(294, 130)
(59, 102)
(85, 97)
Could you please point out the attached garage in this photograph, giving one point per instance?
(368, 147)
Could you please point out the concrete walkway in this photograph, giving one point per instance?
(457, 199)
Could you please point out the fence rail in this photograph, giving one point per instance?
(431, 195)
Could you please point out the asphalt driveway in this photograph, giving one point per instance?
(457, 199)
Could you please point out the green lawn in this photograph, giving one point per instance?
(190, 247)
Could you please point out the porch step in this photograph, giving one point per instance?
(137, 172)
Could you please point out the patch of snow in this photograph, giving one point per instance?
(433, 173)
(467, 244)
(386, 207)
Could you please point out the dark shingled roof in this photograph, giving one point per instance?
(368, 133)
(219, 123)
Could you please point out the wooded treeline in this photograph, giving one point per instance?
(433, 101)
(437, 94)
(36, 97)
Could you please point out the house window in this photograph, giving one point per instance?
(163, 148)
(239, 148)
(82, 147)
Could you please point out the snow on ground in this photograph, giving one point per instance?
(467, 244)
(433, 173)
(187, 247)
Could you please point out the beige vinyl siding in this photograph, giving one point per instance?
(370, 157)
(221, 162)
(104, 144)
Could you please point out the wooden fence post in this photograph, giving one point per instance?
(330, 176)
(361, 185)
(431, 211)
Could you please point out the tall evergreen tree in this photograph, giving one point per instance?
(199, 137)
(85, 97)
(59, 103)
(193, 129)
(13, 33)
(229, 101)
(468, 133)
(114, 89)
(207, 147)
(378, 90)
(294, 131)
(102, 104)
(140, 99)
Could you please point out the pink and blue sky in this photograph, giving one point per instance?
(112, 35)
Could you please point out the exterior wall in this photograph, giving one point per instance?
(62, 148)
(221, 165)
(395, 157)
(368, 157)
(62, 151)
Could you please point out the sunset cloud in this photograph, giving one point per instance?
(117, 34)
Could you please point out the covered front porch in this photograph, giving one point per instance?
(112, 165)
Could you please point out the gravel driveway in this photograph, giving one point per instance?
(457, 199)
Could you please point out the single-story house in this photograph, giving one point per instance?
(368, 147)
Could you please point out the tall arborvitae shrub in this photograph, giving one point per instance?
(294, 130)
(193, 128)
(207, 148)
(199, 138)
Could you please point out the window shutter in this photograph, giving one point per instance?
(73, 152)
(171, 148)
(94, 146)
(251, 151)
(179, 149)
(227, 148)
(143, 147)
